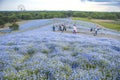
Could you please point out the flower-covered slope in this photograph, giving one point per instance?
(41, 54)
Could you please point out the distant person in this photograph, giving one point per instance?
(64, 28)
(91, 29)
(53, 27)
(96, 32)
(74, 29)
(60, 28)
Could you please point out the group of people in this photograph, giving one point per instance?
(95, 30)
(63, 27)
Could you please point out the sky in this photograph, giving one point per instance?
(60, 5)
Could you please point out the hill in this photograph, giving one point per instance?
(36, 52)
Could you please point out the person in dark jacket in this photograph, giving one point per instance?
(64, 28)
(53, 27)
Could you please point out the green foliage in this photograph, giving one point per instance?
(16, 48)
(24, 58)
(83, 19)
(6, 17)
(11, 43)
(112, 25)
(68, 71)
(31, 51)
(97, 15)
(66, 48)
(26, 16)
(89, 66)
(14, 16)
(14, 26)
(2, 22)
(74, 54)
(45, 51)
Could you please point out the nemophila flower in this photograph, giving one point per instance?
(43, 54)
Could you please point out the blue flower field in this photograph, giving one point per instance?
(35, 52)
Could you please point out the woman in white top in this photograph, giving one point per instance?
(74, 29)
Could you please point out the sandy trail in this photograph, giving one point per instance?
(92, 34)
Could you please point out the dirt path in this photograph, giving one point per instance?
(92, 34)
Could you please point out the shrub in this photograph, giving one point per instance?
(2, 24)
(14, 26)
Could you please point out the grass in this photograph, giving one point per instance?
(11, 43)
(74, 54)
(16, 48)
(45, 51)
(31, 51)
(66, 48)
(111, 24)
(83, 19)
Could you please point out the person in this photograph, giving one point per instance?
(96, 31)
(60, 28)
(64, 28)
(53, 27)
(91, 29)
(74, 29)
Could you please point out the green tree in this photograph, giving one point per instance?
(2, 23)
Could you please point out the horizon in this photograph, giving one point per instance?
(61, 5)
(57, 11)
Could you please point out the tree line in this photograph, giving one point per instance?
(13, 16)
